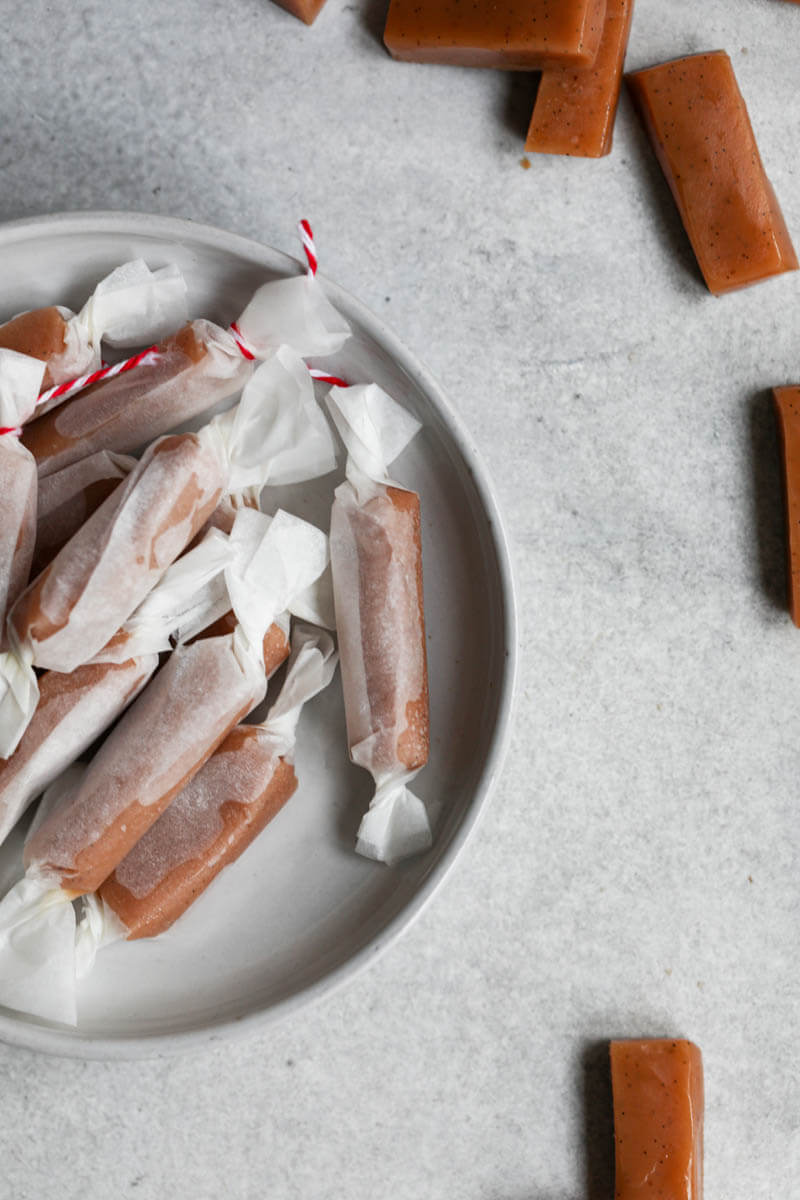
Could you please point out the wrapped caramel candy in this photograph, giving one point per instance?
(68, 498)
(376, 562)
(20, 379)
(276, 434)
(130, 306)
(196, 368)
(160, 743)
(211, 822)
(76, 708)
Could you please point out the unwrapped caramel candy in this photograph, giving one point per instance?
(698, 123)
(516, 35)
(658, 1119)
(576, 106)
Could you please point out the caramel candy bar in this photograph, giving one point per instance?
(18, 483)
(516, 35)
(216, 817)
(658, 1119)
(107, 568)
(787, 406)
(188, 375)
(376, 562)
(697, 121)
(72, 711)
(68, 498)
(576, 106)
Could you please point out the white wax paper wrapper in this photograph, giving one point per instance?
(293, 312)
(37, 951)
(19, 695)
(276, 559)
(374, 428)
(396, 824)
(98, 926)
(191, 594)
(376, 567)
(310, 669)
(277, 434)
(20, 381)
(37, 937)
(131, 306)
(58, 787)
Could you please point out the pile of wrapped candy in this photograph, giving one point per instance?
(148, 587)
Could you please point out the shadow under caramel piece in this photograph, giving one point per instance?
(787, 406)
(514, 35)
(698, 123)
(658, 1119)
(576, 106)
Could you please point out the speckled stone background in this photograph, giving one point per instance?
(636, 872)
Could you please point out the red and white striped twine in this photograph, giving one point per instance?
(64, 391)
(307, 238)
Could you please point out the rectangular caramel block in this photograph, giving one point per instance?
(787, 405)
(698, 123)
(576, 106)
(516, 35)
(658, 1119)
(306, 10)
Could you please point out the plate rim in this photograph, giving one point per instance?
(51, 1040)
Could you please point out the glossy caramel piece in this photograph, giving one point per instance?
(658, 1119)
(305, 10)
(515, 35)
(575, 107)
(40, 333)
(787, 406)
(697, 121)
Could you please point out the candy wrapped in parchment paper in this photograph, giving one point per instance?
(20, 378)
(276, 434)
(76, 708)
(376, 562)
(130, 306)
(68, 498)
(162, 740)
(199, 366)
(218, 814)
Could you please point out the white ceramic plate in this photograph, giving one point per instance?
(299, 912)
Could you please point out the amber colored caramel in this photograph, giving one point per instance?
(697, 121)
(306, 10)
(576, 106)
(39, 333)
(521, 35)
(658, 1119)
(787, 405)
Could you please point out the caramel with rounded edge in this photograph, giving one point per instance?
(576, 106)
(657, 1085)
(242, 818)
(698, 123)
(515, 35)
(40, 333)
